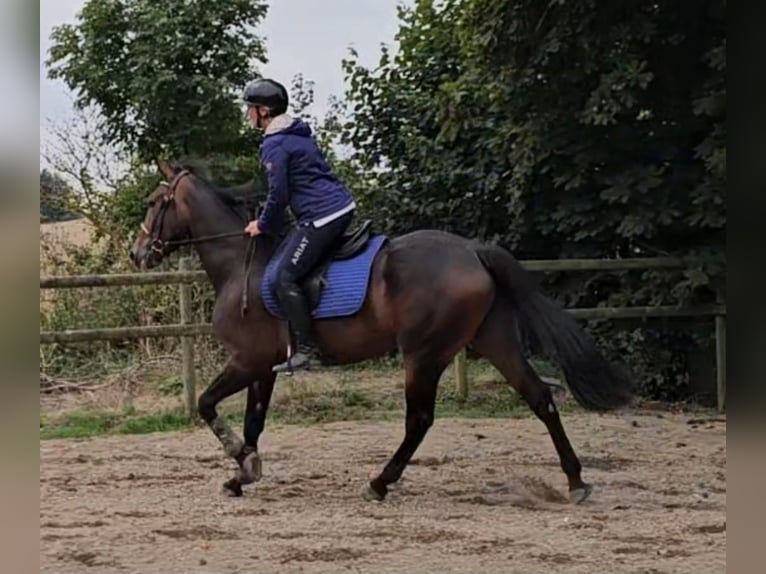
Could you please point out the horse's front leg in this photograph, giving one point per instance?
(232, 379)
(258, 399)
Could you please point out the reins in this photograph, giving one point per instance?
(205, 238)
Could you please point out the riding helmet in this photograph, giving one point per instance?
(267, 93)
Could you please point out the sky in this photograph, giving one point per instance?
(307, 36)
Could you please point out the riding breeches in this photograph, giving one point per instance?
(307, 246)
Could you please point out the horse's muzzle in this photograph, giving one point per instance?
(143, 257)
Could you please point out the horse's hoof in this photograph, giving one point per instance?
(372, 495)
(251, 470)
(577, 495)
(232, 488)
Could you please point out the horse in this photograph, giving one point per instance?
(429, 295)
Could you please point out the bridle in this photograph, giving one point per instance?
(161, 246)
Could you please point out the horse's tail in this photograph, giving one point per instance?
(594, 382)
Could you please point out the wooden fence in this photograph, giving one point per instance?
(184, 277)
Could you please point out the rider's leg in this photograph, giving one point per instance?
(307, 247)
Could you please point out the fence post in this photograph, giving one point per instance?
(461, 379)
(187, 343)
(720, 357)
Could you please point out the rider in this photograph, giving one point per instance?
(298, 176)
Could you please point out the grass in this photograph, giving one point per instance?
(82, 424)
(374, 393)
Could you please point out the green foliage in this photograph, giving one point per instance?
(165, 75)
(154, 422)
(127, 205)
(55, 198)
(96, 308)
(308, 401)
(78, 425)
(559, 129)
(171, 385)
(83, 424)
(164, 79)
(497, 401)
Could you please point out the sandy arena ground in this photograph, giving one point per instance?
(482, 496)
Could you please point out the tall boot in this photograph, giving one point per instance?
(295, 305)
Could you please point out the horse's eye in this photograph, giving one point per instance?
(150, 203)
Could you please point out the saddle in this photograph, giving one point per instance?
(348, 245)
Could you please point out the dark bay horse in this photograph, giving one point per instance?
(430, 295)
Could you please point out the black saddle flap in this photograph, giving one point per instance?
(353, 241)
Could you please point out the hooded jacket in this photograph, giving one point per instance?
(298, 176)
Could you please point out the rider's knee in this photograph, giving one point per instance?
(285, 279)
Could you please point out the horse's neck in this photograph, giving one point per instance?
(222, 259)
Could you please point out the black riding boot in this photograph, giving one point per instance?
(296, 307)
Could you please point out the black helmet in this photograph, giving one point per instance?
(267, 93)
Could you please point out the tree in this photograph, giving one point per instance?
(54, 198)
(559, 129)
(91, 168)
(165, 75)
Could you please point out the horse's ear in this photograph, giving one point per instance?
(166, 169)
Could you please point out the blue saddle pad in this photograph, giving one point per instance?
(346, 288)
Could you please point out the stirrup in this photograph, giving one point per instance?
(310, 359)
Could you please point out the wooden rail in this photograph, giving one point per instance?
(123, 279)
(196, 329)
(546, 265)
(124, 333)
(184, 277)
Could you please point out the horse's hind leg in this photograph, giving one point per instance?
(422, 379)
(231, 380)
(437, 318)
(497, 341)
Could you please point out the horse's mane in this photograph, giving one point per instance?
(244, 199)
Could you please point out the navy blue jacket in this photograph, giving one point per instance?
(298, 176)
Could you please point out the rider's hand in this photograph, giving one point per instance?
(253, 229)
